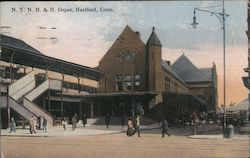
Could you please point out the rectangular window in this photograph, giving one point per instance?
(128, 78)
(137, 77)
(137, 83)
(128, 85)
(167, 84)
(175, 87)
(118, 77)
(119, 85)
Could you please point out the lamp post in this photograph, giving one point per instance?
(222, 17)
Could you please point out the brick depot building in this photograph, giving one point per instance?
(136, 79)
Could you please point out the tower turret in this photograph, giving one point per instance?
(153, 62)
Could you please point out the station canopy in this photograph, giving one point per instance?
(18, 52)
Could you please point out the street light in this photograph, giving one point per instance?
(194, 24)
(221, 16)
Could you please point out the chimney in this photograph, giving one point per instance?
(138, 34)
(168, 62)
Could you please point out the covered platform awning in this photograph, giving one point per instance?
(180, 104)
(242, 106)
(119, 94)
(115, 104)
(94, 95)
(18, 52)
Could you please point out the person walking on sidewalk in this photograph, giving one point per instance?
(64, 123)
(165, 127)
(34, 124)
(44, 124)
(137, 127)
(84, 120)
(31, 122)
(107, 120)
(194, 119)
(130, 127)
(12, 125)
(73, 123)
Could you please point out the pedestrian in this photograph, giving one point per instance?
(12, 125)
(84, 120)
(123, 120)
(44, 124)
(130, 127)
(34, 126)
(73, 123)
(137, 127)
(107, 120)
(165, 127)
(194, 117)
(64, 123)
(31, 122)
(76, 117)
(142, 111)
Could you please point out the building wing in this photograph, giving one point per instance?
(168, 68)
(188, 71)
(208, 72)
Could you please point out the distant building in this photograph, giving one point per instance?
(200, 82)
(241, 106)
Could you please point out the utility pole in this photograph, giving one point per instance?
(221, 16)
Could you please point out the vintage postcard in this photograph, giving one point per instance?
(120, 79)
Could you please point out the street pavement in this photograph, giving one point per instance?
(97, 141)
(149, 145)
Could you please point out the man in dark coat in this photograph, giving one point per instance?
(84, 120)
(73, 123)
(107, 120)
(165, 127)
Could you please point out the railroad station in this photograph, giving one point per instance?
(131, 79)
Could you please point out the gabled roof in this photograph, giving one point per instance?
(153, 39)
(208, 72)
(17, 43)
(125, 40)
(171, 71)
(188, 71)
(127, 34)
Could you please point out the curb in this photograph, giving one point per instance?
(59, 135)
(237, 137)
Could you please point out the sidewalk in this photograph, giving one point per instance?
(204, 133)
(220, 136)
(80, 131)
(57, 132)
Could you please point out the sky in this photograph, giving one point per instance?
(84, 37)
